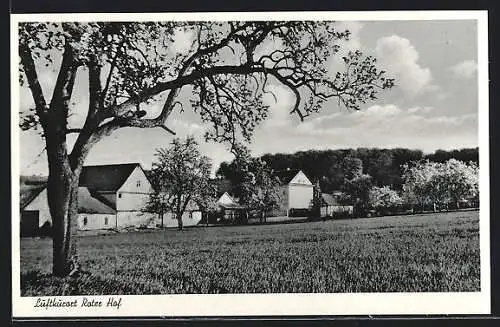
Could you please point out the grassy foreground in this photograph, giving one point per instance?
(437, 252)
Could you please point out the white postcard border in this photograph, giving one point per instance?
(267, 304)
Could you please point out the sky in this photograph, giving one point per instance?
(433, 105)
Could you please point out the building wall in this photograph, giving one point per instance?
(40, 203)
(345, 209)
(189, 218)
(330, 210)
(134, 194)
(93, 221)
(326, 211)
(299, 196)
(135, 218)
(137, 182)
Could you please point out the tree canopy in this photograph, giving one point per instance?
(332, 167)
(180, 175)
(445, 183)
(131, 63)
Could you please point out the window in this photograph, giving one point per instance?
(174, 216)
(105, 220)
(120, 195)
(138, 184)
(190, 215)
(85, 221)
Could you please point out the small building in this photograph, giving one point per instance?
(296, 191)
(109, 196)
(331, 206)
(35, 216)
(123, 187)
(230, 210)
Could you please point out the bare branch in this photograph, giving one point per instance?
(33, 82)
(111, 69)
(73, 130)
(64, 85)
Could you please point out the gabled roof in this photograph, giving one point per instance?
(108, 199)
(329, 199)
(106, 178)
(28, 193)
(232, 206)
(333, 199)
(96, 182)
(286, 176)
(88, 204)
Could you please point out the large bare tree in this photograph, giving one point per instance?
(129, 64)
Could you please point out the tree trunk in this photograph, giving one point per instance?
(62, 193)
(179, 222)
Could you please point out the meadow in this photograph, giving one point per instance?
(420, 253)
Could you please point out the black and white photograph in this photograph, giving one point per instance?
(247, 164)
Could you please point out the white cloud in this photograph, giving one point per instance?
(388, 119)
(465, 69)
(280, 101)
(383, 126)
(420, 110)
(400, 58)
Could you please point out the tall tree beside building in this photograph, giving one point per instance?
(180, 175)
(258, 187)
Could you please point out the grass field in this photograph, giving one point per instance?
(434, 252)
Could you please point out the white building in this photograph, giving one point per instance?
(331, 206)
(110, 196)
(296, 191)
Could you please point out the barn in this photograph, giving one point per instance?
(331, 206)
(109, 196)
(230, 209)
(296, 191)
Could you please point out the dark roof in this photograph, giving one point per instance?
(106, 177)
(86, 202)
(33, 179)
(286, 176)
(231, 206)
(95, 181)
(89, 204)
(329, 199)
(108, 199)
(28, 193)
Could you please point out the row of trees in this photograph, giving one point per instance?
(441, 184)
(422, 183)
(330, 167)
(426, 184)
(180, 175)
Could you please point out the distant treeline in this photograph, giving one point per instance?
(329, 167)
